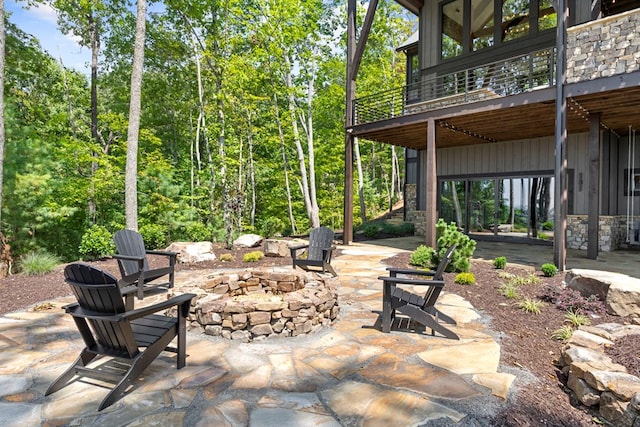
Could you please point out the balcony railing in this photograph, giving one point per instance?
(507, 77)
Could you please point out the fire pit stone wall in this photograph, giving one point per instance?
(256, 304)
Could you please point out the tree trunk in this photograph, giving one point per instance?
(131, 171)
(311, 212)
(95, 51)
(456, 203)
(285, 167)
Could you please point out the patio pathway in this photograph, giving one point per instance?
(345, 375)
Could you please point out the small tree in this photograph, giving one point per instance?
(447, 235)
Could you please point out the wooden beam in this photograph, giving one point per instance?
(594, 186)
(560, 197)
(431, 183)
(347, 229)
(364, 36)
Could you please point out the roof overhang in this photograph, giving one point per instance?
(413, 6)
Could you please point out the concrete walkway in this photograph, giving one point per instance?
(349, 374)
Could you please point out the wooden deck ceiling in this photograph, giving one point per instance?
(528, 115)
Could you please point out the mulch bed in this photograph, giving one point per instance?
(525, 338)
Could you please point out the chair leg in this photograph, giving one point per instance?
(83, 360)
(427, 320)
(388, 313)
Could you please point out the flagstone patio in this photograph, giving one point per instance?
(347, 374)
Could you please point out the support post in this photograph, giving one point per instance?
(347, 229)
(431, 183)
(560, 194)
(594, 186)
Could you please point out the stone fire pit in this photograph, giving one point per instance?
(255, 303)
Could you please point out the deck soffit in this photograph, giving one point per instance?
(516, 117)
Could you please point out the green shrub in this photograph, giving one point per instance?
(465, 279)
(447, 235)
(500, 262)
(196, 232)
(422, 256)
(38, 263)
(270, 226)
(549, 270)
(96, 243)
(530, 305)
(529, 279)
(226, 257)
(576, 319)
(404, 229)
(370, 230)
(509, 290)
(253, 256)
(547, 225)
(563, 334)
(154, 235)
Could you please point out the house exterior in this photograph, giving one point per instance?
(518, 118)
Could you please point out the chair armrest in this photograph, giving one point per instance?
(407, 281)
(416, 272)
(76, 311)
(295, 248)
(128, 257)
(163, 253)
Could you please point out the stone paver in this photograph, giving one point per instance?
(347, 374)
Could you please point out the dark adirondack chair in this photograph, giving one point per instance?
(110, 331)
(319, 251)
(420, 308)
(134, 265)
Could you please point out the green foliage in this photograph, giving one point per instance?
(402, 229)
(253, 256)
(547, 225)
(226, 257)
(576, 319)
(371, 230)
(38, 263)
(500, 262)
(465, 279)
(154, 236)
(531, 305)
(529, 279)
(549, 270)
(422, 256)
(97, 243)
(271, 226)
(563, 334)
(509, 290)
(448, 235)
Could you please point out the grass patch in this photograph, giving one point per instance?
(38, 263)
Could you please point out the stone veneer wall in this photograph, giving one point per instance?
(258, 304)
(603, 48)
(612, 232)
(411, 213)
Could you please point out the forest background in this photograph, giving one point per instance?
(241, 123)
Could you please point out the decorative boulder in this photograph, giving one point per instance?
(276, 248)
(191, 252)
(248, 241)
(621, 293)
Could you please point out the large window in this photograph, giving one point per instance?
(470, 25)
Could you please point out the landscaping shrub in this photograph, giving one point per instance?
(576, 319)
(509, 290)
(154, 236)
(253, 256)
(38, 263)
(465, 279)
(422, 256)
(530, 305)
(370, 230)
(271, 226)
(96, 243)
(572, 300)
(449, 234)
(547, 225)
(549, 270)
(563, 334)
(500, 262)
(226, 257)
(404, 229)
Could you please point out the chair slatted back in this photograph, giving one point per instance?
(97, 292)
(433, 293)
(129, 242)
(319, 238)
